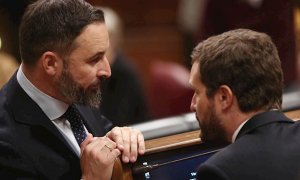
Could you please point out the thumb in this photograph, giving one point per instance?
(88, 139)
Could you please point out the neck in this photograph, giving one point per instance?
(236, 120)
(41, 80)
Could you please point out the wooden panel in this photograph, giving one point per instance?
(145, 45)
(143, 13)
(172, 142)
(295, 115)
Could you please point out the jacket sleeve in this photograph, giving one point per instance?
(107, 124)
(13, 165)
(209, 172)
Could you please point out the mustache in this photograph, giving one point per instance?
(99, 82)
(102, 79)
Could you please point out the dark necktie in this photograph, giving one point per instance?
(75, 119)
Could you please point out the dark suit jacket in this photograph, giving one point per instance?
(267, 148)
(30, 144)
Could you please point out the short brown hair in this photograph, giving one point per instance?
(53, 25)
(247, 62)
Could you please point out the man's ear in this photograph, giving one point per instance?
(225, 97)
(51, 63)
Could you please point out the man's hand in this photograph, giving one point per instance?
(129, 141)
(98, 155)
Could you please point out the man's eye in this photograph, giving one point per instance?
(95, 60)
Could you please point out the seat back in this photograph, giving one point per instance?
(169, 93)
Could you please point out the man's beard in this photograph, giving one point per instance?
(211, 127)
(75, 93)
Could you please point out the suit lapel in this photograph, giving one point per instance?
(93, 121)
(26, 111)
(262, 119)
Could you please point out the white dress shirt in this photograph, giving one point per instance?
(236, 132)
(52, 107)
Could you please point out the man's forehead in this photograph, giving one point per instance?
(195, 68)
(194, 73)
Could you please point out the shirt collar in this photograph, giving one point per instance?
(236, 132)
(52, 107)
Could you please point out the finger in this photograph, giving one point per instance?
(126, 133)
(113, 155)
(106, 149)
(91, 148)
(106, 144)
(133, 145)
(141, 143)
(88, 140)
(110, 153)
(111, 144)
(116, 135)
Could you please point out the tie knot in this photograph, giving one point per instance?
(75, 119)
(72, 114)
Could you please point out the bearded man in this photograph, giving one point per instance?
(50, 125)
(238, 82)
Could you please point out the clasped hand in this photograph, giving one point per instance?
(98, 154)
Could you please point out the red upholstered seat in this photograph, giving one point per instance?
(169, 93)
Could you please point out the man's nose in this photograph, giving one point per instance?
(193, 104)
(104, 69)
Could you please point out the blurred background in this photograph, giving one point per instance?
(158, 37)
